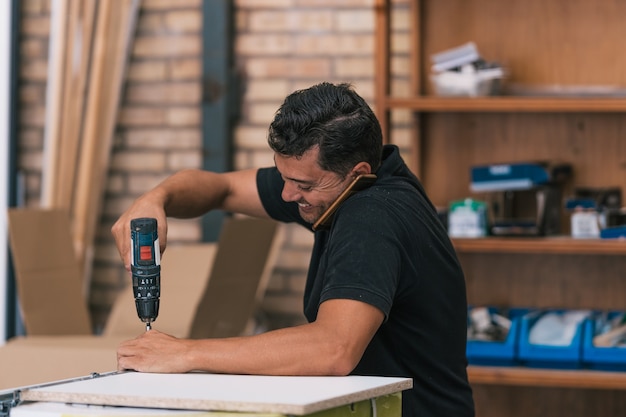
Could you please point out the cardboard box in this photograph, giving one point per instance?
(28, 361)
(48, 277)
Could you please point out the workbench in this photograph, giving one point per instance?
(194, 394)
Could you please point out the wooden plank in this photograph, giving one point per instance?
(547, 377)
(505, 104)
(559, 245)
(81, 24)
(80, 207)
(114, 30)
(54, 100)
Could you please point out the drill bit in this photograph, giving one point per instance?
(148, 326)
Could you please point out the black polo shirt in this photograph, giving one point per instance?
(386, 247)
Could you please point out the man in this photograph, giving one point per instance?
(385, 294)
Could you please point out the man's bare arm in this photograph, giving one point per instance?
(188, 194)
(332, 345)
(191, 193)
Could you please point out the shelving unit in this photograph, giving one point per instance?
(541, 245)
(547, 378)
(507, 104)
(561, 42)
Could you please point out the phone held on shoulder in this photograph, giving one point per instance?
(359, 183)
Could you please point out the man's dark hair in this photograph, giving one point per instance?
(333, 117)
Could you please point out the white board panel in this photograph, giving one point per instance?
(211, 392)
(48, 409)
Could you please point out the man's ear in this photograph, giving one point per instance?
(361, 168)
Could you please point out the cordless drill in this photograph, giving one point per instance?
(145, 266)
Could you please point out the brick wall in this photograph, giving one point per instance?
(281, 45)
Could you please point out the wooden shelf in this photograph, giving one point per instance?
(584, 379)
(508, 104)
(541, 245)
(451, 134)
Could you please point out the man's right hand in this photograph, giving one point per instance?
(147, 205)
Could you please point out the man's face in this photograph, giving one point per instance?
(313, 188)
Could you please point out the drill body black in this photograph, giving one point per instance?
(145, 268)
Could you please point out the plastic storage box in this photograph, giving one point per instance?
(468, 84)
(601, 358)
(549, 356)
(498, 353)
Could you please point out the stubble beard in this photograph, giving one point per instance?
(311, 216)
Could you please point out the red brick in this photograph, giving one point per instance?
(273, 89)
(184, 116)
(184, 21)
(183, 160)
(260, 44)
(33, 48)
(151, 24)
(354, 68)
(163, 138)
(251, 137)
(185, 69)
(336, 3)
(355, 20)
(140, 183)
(290, 20)
(262, 113)
(164, 93)
(37, 26)
(141, 116)
(142, 162)
(30, 138)
(30, 7)
(150, 70)
(167, 46)
(169, 4)
(262, 158)
(32, 93)
(335, 45)
(317, 68)
(32, 116)
(34, 69)
(262, 4)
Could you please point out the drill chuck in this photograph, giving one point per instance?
(145, 267)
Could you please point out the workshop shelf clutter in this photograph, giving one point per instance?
(494, 353)
(606, 358)
(558, 350)
(515, 346)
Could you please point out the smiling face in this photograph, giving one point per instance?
(313, 188)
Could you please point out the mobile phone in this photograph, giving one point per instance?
(361, 182)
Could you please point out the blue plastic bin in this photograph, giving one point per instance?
(601, 358)
(497, 353)
(548, 356)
